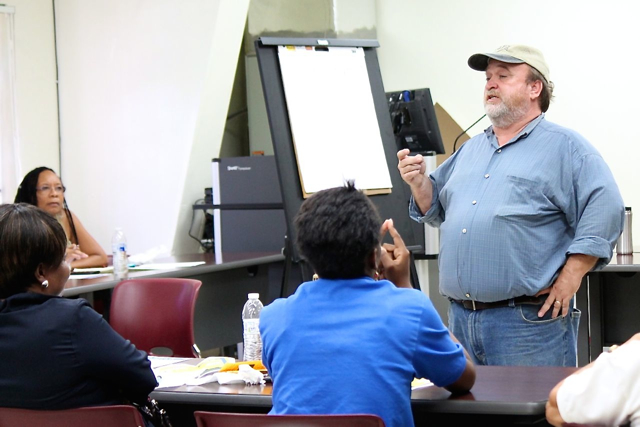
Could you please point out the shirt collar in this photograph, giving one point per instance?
(523, 133)
(23, 300)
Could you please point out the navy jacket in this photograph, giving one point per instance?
(58, 353)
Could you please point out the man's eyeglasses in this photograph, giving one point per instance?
(49, 189)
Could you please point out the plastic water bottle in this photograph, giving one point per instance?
(119, 252)
(251, 328)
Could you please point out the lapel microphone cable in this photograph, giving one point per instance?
(465, 131)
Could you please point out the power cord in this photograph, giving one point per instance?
(207, 246)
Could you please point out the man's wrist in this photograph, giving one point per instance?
(579, 264)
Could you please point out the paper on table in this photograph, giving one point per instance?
(88, 276)
(165, 266)
(177, 374)
(148, 255)
(92, 270)
(158, 361)
(420, 383)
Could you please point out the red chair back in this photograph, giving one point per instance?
(95, 416)
(219, 419)
(154, 313)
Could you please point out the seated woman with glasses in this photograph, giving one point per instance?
(56, 353)
(43, 188)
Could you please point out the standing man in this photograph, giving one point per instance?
(525, 210)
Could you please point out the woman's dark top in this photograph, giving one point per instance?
(58, 353)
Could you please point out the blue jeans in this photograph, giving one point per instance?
(512, 336)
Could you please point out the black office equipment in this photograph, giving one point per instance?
(414, 121)
(390, 205)
(248, 214)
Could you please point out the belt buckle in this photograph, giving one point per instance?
(473, 304)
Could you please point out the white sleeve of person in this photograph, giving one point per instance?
(607, 393)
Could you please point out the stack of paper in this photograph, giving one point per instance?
(165, 266)
(420, 382)
(174, 372)
(91, 273)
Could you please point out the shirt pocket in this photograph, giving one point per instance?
(524, 201)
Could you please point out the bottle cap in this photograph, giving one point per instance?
(253, 295)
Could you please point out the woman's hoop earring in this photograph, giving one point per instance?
(45, 284)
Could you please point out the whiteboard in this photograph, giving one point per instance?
(333, 121)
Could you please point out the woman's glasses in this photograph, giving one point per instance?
(49, 189)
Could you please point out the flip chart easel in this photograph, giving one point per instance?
(333, 119)
(391, 199)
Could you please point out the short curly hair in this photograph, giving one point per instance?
(337, 231)
(29, 237)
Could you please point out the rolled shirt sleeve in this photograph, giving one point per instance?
(599, 210)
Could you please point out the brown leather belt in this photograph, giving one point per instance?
(477, 305)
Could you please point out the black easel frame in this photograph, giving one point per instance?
(393, 205)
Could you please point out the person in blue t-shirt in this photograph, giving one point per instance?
(352, 341)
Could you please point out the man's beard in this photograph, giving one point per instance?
(512, 109)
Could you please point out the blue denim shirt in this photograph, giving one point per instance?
(509, 216)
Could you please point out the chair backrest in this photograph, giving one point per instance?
(154, 313)
(219, 419)
(95, 416)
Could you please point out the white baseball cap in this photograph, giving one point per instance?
(512, 54)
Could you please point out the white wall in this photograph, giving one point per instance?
(164, 105)
(353, 16)
(222, 61)
(36, 97)
(144, 90)
(591, 48)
